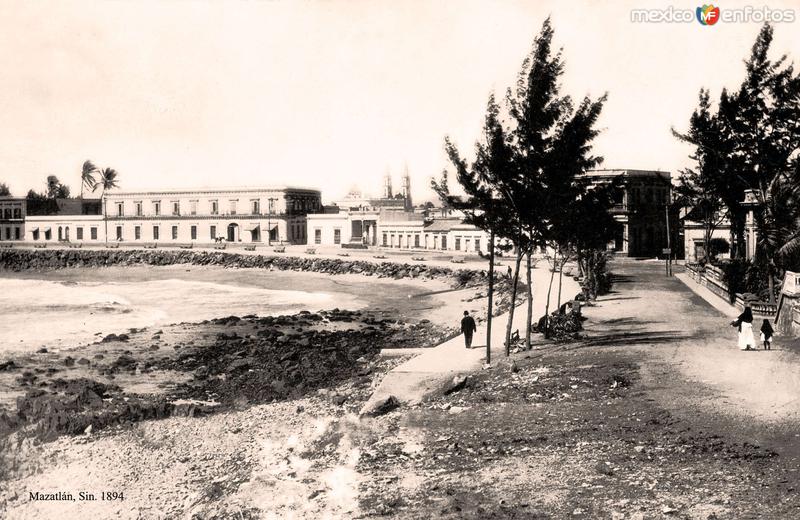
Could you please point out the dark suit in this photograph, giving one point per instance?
(468, 327)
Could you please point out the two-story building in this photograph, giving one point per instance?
(250, 215)
(12, 218)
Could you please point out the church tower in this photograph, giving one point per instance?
(387, 185)
(406, 189)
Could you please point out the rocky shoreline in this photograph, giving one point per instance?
(21, 260)
(213, 365)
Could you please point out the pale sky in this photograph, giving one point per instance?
(332, 93)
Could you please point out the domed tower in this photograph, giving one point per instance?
(405, 189)
(387, 185)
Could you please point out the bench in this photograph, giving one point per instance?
(74, 246)
(418, 258)
(379, 257)
(220, 246)
(186, 246)
(40, 246)
(113, 246)
(457, 260)
(279, 249)
(342, 254)
(249, 248)
(6, 246)
(311, 251)
(150, 246)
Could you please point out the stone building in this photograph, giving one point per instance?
(641, 210)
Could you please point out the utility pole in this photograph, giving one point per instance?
(668, 250)
(491, 294)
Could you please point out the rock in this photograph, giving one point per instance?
(339, 400)
(604, 468)
(240, 364)
(42, 350)
(514, 368)
(88, 430)
(8, 365)
(83, 361)
(69, 361)
(381, 407)
(458, 383)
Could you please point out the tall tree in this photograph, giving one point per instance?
(778, 224)
(4, 191)
(701, 188)
(108, 179)
(553, 141)
(88, 172)
(483, 204)
(55, 189)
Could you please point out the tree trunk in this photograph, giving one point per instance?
(529, 317)
(547, 303)
(515, 281)
(771, 283)
(560, 281)
(491, 299)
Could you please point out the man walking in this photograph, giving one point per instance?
(468, 327)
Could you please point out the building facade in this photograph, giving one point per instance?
(12, 218)
(642, 210)
(248, 215)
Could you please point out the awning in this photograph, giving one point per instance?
(273, 226)
(46, 229)
(34, 230)
(252, 227)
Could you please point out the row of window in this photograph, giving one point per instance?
(11, 233)
(439, 242)
(296, 205)
(232, 233)
(12, 213)
(337, 236)
(63, 233)
(175, 207)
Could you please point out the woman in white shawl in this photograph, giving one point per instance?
(744, 322)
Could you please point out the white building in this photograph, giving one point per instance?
(250, 215)
(394, 229)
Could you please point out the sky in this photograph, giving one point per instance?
(332, 93)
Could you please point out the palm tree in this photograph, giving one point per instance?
(107, 180)
(778, 225)
(87, 176)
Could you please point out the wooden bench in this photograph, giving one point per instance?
(379, 257)
(6, 246)
(220, 246)
(186, 246)
(311, 251)
(40, 246)
(279, 249)
(418, 258)
(342, 254)
(113, 246)
(249, 248)
(74, 246)
(457, 260)
(150, 246)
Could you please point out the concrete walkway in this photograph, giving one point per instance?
(712, 299)
(430, 371)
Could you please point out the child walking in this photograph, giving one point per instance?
(766, 334)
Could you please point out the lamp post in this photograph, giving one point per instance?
(270, 209)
